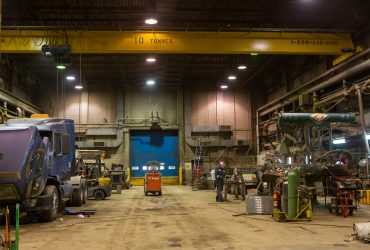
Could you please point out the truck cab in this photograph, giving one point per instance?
(36, 165)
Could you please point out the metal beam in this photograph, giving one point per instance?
(95, 42)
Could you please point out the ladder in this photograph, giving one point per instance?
(200, 153)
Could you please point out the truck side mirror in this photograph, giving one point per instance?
(38, 157)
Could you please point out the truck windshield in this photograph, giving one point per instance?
(14, 146)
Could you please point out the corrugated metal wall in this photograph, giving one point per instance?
(230, 108)
(142, 102)
(201, 107)
(292, 75)
(102, 107)
(93, 106)
(72, 106)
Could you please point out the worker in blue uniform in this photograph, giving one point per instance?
(220, 175)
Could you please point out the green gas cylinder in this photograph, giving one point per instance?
(293, 183)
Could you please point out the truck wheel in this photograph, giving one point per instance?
(51, 214)
(160, 193)
(77, 197)
(84, 190)
(99, 194)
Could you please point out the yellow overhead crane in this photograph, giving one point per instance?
(95, 42)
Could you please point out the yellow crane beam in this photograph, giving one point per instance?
(30, 41)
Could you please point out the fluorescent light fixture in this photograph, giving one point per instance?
(61, 67)
(224, 86)
(241, 67)
(254, 54)
(151, 59)
(150, 82)
(231, 77)
(339, 141)
(78, 87)
(151, 21)
(70, 78)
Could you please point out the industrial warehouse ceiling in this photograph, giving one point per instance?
(176, 15)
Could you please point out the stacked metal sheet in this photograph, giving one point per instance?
(257, 204)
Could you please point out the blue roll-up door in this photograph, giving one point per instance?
(154, 145)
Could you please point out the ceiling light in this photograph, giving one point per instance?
(61, 67)
(231, 77)
(70, 78)
(224, 86)
(254, 54)
(242, 67)
(78, 87)
(151, 21)
(339, 141)
(150, 82)
(151, 59)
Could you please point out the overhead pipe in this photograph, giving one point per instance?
(281, 102)
(17, 102)
(362, 118)
(333, 70)
(19, 112)
(342, 93)
(345, 74)
(278, 105)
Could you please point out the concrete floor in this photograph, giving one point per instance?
(185, 219)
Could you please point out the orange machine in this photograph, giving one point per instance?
(153, 179)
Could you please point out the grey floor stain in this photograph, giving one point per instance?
(340, 245)
(174, 242)
(157, 224)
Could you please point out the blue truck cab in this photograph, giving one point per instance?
(37, 165)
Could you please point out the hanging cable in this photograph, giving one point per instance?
(57, 95)
(63, 95)
(79, 104)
